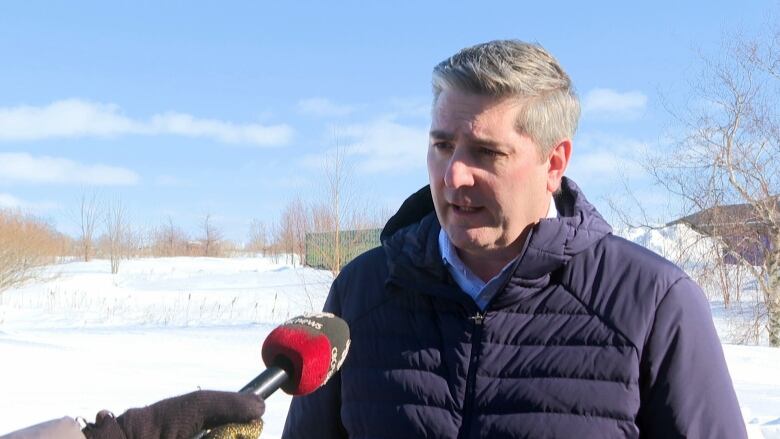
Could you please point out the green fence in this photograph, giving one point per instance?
(321, 247)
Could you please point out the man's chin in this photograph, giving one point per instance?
(470, 240)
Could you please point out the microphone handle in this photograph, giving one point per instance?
(267, 382)
(263, 385)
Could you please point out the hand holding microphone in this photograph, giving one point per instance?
(300, 356)
(178, 417)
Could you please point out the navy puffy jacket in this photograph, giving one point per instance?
(591, 337)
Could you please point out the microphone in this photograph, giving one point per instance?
(301, 355)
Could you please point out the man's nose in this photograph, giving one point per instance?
(458, 174)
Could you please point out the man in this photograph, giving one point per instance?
(500, 305)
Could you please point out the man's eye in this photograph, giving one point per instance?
(442, 145)
(489, 152)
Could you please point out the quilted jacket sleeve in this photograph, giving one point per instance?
(63, 428)
(686, 389)
(318, 414)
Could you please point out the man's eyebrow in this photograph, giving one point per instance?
(443, 135)
(486, 142)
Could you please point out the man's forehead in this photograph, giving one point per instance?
(467, 107)
(473, 116)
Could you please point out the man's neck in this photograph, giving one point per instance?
(487, 265)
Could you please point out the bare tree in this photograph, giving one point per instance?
(275, 242)
(169, 240)
(89, 214)
(301, 224)
(258, 237)
(341, 219)
(117, 233)
(338, 196)
(292, 229)
(329, 230)
(284, 240)
(212, 238)
(726, 164)
(136, 241)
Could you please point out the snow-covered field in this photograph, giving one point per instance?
(82, 340)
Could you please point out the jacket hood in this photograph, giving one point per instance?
(410, 237)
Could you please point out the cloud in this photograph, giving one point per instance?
(323, 107)
(225, 132)
(603, 158)
(386, 146)
(380, 146)
(601, 164)
(44, 169)
(68, 118)
(610, 103)
(412, 107)
(8, 201)
(73, 118)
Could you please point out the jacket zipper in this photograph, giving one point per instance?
(476, 351)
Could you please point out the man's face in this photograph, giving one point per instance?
(489, 182)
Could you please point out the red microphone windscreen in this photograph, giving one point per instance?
(309, 348)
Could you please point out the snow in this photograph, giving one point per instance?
(83, 340)
(80, 339)
(671, 242)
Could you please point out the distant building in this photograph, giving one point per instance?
(745, 232)
(321, 247)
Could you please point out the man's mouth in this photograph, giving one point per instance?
(465, 209)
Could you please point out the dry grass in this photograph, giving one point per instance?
(26, 243)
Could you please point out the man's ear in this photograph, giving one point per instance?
(557, 161)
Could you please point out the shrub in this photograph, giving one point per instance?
(26, 243)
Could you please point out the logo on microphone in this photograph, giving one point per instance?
(306, 322)
(309, 319)
(335, 361)
(344, 355)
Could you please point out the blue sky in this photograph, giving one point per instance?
(183, 109)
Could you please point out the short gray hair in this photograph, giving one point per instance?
(512, 68)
